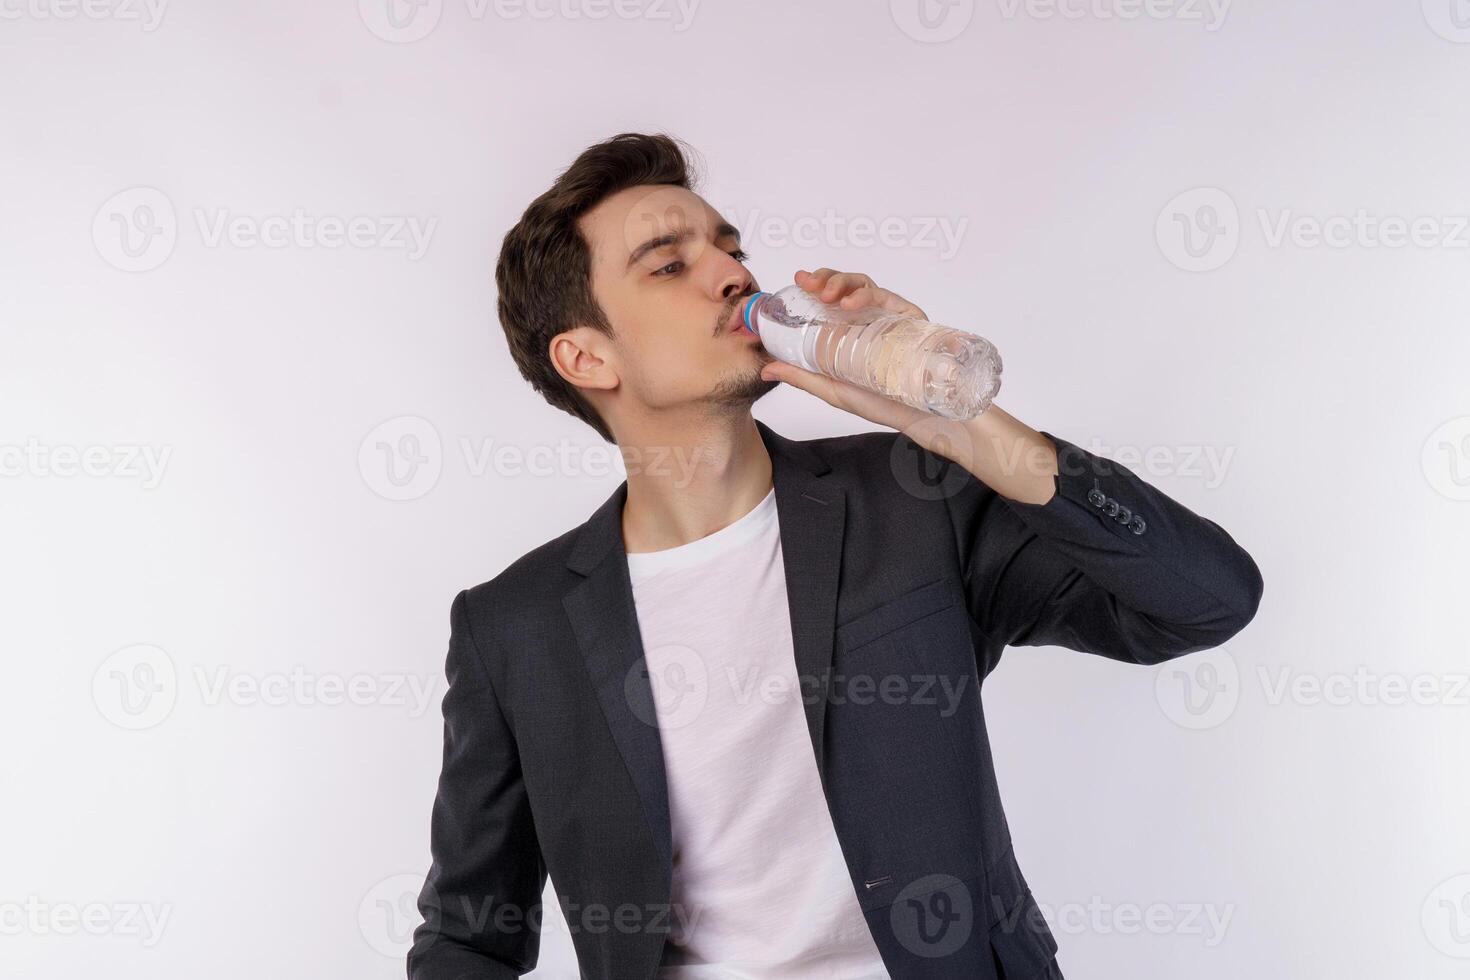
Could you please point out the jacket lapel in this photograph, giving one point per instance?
(606, 626)
(811, 513)
(811, 508)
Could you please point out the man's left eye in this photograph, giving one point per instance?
(672, 269)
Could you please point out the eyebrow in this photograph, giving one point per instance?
(722, 230)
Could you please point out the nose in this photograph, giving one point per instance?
(736, 283)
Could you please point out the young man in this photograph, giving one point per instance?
(735, 715)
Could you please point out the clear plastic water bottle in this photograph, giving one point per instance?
(942, 370)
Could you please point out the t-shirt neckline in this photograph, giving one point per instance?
(740, 531)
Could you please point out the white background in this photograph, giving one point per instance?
(1309, 397)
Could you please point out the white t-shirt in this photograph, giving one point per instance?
(760, 887)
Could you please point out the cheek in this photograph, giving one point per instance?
(674, 366)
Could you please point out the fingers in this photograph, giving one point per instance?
(829, 285)
(866, 296)
(853, 291)
(846, 396)
(821, 385)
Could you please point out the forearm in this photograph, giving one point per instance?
(1005, 454)
(1097, 559)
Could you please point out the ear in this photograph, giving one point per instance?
(584, 357)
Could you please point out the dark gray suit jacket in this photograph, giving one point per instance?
(904, 574)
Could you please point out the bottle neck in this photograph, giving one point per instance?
(751, 310)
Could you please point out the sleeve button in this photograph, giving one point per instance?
(1137, 525)
(1096, 498)
(1112, 508)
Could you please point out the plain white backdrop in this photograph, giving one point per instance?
(258, 425)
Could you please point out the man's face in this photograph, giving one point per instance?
(670, 276)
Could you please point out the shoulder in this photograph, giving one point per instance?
(516, 596)
(857, 452)
(887, 462)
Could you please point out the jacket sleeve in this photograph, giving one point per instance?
(1109, 565)
(481, 900)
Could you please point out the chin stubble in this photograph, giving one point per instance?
(744, 388)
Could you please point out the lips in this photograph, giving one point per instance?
(736, 320)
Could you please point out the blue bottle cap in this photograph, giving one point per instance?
(745, 313)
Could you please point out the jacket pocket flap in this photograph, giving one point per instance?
(907, 608)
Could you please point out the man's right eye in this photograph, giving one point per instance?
(665, 270)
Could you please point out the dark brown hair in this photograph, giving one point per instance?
(544, 275)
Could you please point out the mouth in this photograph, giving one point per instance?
(735, 320)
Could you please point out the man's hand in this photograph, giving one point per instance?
(1007, 455)
(854, 291)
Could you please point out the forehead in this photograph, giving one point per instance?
(618, 225)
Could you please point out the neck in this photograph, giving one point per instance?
(686, 482)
